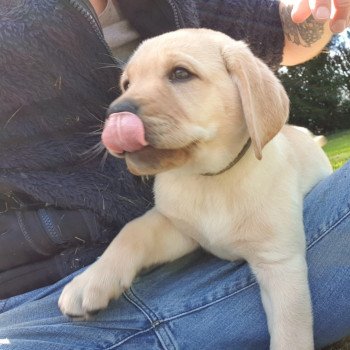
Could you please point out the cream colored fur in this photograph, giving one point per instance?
(252, 211)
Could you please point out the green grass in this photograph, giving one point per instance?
(338, 148)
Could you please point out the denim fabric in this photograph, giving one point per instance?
(199, 301)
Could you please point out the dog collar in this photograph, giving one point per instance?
(235, 161)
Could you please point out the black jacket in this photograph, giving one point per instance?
(57, 78)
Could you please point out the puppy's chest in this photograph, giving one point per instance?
(212, 218)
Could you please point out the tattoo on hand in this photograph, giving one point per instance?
(304, 34)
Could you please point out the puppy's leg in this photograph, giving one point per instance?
(145, 241)
(287, 303)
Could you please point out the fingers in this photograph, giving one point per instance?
(337, 11)
(340, 18)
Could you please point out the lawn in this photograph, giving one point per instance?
(338, 148)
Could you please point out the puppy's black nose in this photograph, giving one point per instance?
(123, 106)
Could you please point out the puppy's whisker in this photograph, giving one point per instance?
(121, 64)
(113, 88)
(95, 132)
(103, 160)
(97, 147)
(91, 133)
(110, 56)
(93, 152)
(102, 121)
(108, 66)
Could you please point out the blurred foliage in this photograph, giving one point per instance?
(319, 90)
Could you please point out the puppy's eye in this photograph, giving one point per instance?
(180, 74)
(126, 84)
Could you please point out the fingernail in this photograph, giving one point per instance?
(322, 13)
(338, 26)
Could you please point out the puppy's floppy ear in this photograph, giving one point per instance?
(264, 100)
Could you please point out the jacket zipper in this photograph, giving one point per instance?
(50, 228)
(86, 11)
(177, 15)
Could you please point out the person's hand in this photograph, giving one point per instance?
(337, 11)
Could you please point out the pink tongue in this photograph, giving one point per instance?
(124, 131)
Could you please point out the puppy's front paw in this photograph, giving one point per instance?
(90, 292)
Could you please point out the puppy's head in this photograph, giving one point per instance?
(189, 99)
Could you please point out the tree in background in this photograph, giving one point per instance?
(319, 90)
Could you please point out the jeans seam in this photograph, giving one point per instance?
(162, 333)
(323, 234)
(129, 337)
(161, 321)
(209, 304)
(154, 321)
(137, 302)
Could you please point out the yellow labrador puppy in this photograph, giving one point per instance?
(208, 118)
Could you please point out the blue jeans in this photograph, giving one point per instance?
(199, 301)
